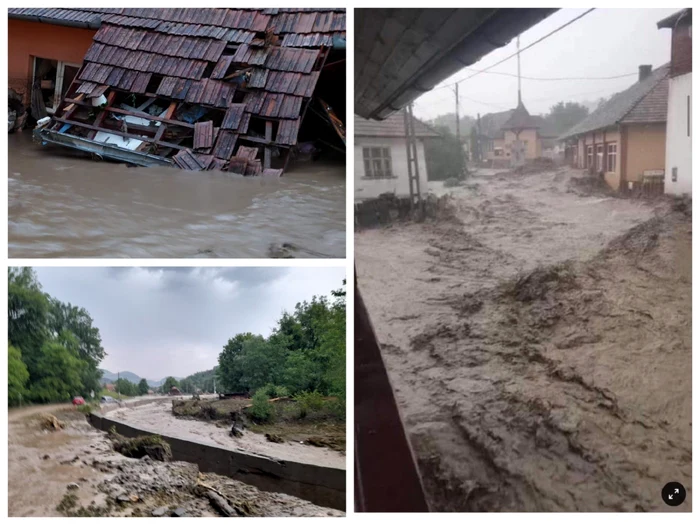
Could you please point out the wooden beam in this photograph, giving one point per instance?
(142, 115)
(168, 115)
(120, 133)
(103, 114)
(267, 159)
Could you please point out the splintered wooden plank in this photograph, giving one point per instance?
(203, 135)
(254, 167)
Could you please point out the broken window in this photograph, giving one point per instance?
(377, 162)
(612, 157)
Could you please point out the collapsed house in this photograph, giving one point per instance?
(203, 89)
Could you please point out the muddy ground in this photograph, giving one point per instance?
(159, 417)
(539, 344)
(44, 466)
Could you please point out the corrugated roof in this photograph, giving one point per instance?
(392, 126)
(625, 104)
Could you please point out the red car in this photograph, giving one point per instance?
(78, 400)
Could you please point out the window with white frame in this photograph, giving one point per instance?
(611, 160)
(599, 149)
(377, 161)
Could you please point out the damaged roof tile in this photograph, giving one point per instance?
(233, 116)
(272, 58)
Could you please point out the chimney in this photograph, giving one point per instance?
(644, 72)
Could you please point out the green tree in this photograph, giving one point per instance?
(229, 372)
(187, 386)
(58, 374)
(168, 384)
(126, 387)
(565, 115)
(17, 376)
(27, 315)
(444, 157)
(143, 387)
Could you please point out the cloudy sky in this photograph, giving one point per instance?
(604, 43)
(157, 322)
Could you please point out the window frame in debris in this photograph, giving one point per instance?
(58, 93)
(611, 154)
(368, 158)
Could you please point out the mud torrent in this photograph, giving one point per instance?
(540, 349)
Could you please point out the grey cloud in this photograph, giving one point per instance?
(174, 321)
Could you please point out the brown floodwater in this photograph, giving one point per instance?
(65, 205)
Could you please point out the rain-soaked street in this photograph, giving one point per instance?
(62, 205)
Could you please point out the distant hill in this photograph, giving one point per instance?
(111, 377)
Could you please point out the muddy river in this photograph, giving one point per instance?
(158, 417)
(63, 205)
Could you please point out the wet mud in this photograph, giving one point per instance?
(65, 205)
(539, 345)
(75, 472)
(158, 417)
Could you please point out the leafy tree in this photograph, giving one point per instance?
(168, 384)
(565, 115)
(444, 157)
(17, 376)
(229, 373)
(58, 374)
(27, 315)
(187, 386)
(143, 387)
(126, 387)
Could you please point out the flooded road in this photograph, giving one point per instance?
(62, 205)
(158, 417)
(539, 345)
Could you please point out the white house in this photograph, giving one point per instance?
(381, 164)
(678, 172)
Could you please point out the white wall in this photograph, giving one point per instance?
(369, 188)
(678, 143)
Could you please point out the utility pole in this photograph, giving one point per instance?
(457, 111)
(519, 94)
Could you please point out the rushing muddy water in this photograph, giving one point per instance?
(158, 417)
(63, 205)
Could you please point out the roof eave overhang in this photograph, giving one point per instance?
(93, 23)
(490, 29)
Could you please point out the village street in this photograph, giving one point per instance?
(538, 343)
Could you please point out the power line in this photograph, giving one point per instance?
(557, 78)
(524, 49)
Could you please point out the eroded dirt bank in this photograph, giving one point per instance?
(539, 346)
(43, 466)
(158, 417)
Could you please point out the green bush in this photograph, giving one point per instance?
(261, 411)
(273, 391)
(309, 402)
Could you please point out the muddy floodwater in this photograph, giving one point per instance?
(64, 205)
(158, 417)
(539, 344)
